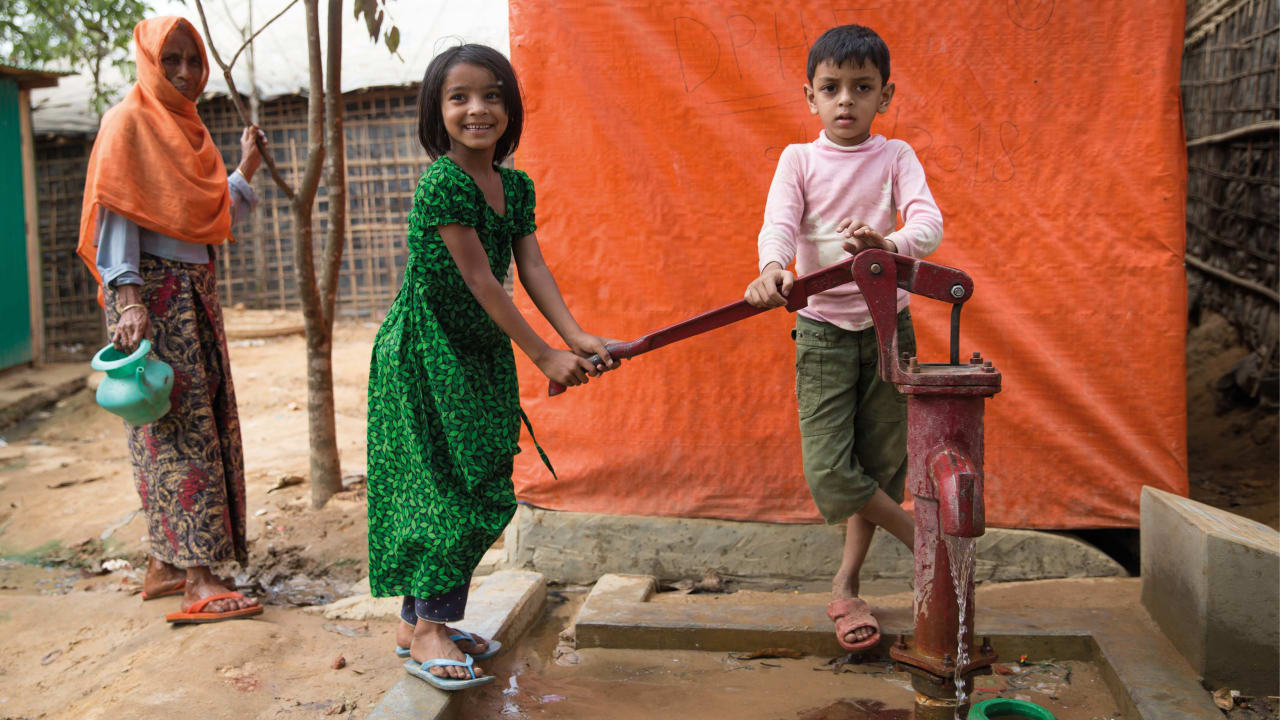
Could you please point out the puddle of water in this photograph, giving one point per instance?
(533, 683)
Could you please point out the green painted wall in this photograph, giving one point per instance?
(15, 308)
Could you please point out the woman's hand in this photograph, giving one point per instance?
(564, 367)
(250, 155)
(585, 345)
(134, 323)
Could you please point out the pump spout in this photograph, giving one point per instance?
(957, 485)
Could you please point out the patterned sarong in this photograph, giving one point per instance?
(188, 466)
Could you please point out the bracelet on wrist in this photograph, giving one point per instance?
(129, 307)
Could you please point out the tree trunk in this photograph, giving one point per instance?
(326, 475)
(326, 472)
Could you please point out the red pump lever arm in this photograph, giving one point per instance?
(804, 287)
(879, 273)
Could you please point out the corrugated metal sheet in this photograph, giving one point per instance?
(15, 308)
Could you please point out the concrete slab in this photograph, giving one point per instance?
(1211, 580)
(578, 548)
(362, 605)
(503, 607)
(1149, 680)
(23, 390)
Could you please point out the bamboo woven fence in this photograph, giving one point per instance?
(73, 324)
(1231, 106)
(384, 161)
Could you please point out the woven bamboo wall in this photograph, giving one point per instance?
(73, 326)
(1231, 102)
(384, 161)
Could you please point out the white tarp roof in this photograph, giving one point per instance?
(426, 27)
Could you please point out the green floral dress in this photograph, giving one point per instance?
(444, 406)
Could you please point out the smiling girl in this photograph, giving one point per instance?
(444, 407)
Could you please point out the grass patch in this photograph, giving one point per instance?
(53, 554)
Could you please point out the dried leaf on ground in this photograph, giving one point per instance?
(286, 481)
(1225, 698)
(70, 483)
(361, 630)
(768, 653)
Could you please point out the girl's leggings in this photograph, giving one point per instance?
(445, 608)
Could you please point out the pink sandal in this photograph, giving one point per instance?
(850, 614)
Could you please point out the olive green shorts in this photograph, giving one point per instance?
(853, 425)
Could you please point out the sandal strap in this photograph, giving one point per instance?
(446, 662)
(464, 635)
(200, 604)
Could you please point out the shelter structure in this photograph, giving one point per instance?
(1231, 101)
(21, 335)
(384, 161)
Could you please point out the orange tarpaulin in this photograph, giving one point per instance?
(1052, 139)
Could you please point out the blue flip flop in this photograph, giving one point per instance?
(422, 672)
(494, 646)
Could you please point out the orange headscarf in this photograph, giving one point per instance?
(153, 161)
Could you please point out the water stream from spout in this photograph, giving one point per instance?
(961, 552)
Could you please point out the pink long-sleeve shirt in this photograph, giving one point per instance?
(820, 183)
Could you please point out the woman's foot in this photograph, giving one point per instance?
(404, 639)
(431, 641)
(162, 579)
(201, 583)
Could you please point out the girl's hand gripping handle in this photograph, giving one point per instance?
(618, 351)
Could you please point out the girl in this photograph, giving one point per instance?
(444, 408)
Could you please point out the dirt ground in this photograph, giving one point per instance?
(79, 643)
(1233, 450)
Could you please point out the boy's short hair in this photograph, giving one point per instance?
(850, 42)
(431, 131)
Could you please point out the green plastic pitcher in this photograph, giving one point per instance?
(136, 387)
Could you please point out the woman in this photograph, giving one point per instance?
(157, 200)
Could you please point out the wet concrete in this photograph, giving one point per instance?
(1146, 676)
(544, 677)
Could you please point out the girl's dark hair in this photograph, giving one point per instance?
(841, 44)
(431, 132)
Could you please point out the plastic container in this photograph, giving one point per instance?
(1008, 709)
(136, 387)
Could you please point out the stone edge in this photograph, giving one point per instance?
(505, 612)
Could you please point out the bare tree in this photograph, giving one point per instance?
(325, 140)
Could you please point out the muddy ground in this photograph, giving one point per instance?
(79, 643)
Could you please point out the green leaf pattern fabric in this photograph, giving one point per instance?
(444, 406)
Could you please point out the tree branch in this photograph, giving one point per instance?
(259, 30)
(267, 157)
(335, 177)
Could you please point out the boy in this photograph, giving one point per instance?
(841, 194)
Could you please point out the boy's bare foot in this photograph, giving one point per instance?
(161, 578)
(431, 641)
(201, 583)
(404, 638)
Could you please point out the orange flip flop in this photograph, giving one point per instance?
(193, 614)
(175, 590)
